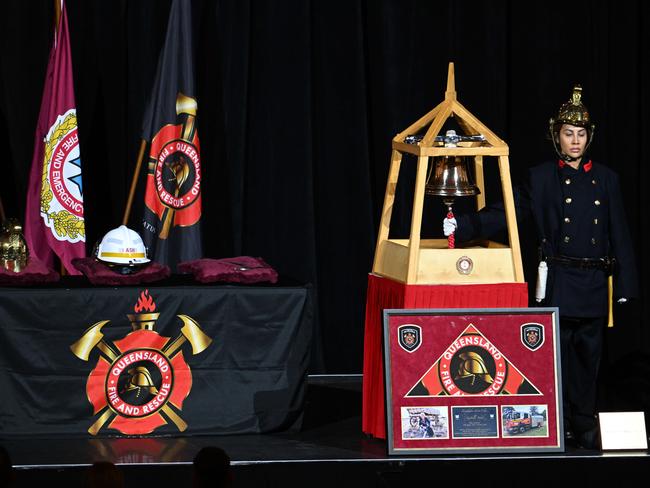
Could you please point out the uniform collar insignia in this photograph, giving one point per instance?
(586, 167)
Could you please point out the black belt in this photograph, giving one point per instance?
(604, 264)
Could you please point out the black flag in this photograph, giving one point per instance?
(172, 213)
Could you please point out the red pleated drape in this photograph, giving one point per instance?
(384, 293)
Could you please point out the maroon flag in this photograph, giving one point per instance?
(54, 218)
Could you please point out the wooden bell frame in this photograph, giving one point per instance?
(429, 261)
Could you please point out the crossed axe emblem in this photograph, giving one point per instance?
(93, 338)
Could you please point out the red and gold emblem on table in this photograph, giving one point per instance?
(140, 381)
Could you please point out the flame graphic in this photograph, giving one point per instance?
(145, 302)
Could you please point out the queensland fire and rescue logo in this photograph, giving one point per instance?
(62, 208)
(472, 365)
(173, 191)
(140, 381)
(409, 337)
(532, 335)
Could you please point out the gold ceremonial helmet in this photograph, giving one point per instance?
(472, 365)
(14, 253)
(572, 112)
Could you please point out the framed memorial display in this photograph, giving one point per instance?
(473, 380)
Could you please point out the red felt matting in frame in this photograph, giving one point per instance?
(384, 293)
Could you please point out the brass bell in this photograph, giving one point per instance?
(14, 253)
(448, 178)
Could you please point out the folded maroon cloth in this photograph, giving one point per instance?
(100, 274)
(240, 269)
(34, 273)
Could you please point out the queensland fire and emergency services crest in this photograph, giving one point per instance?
(62, 207)
(140, 381)
(173, 191)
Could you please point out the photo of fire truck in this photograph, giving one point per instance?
(515, 422)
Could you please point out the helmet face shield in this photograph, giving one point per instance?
(123, 250)
(573, 113)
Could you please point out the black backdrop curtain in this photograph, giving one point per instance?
(299, 101)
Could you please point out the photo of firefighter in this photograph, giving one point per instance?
(425, 423)
(524, 421)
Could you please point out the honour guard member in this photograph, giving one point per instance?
(584, 245)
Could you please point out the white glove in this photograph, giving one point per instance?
(540, 287)
(449, 226)
(622, 300)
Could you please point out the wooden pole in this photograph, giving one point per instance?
(57, 14)
(134, 183)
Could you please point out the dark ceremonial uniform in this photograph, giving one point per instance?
(581, 227)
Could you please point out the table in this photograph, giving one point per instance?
(81, 361)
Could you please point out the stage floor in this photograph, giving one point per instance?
(329, 450)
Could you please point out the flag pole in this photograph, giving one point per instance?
(57, 19)
(57, 14)
(134, 182)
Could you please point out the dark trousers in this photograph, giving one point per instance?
(581, 344)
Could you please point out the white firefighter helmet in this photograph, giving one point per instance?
(122, 248)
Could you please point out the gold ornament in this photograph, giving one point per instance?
(14, 253)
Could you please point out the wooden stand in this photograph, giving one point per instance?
(418, 261)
